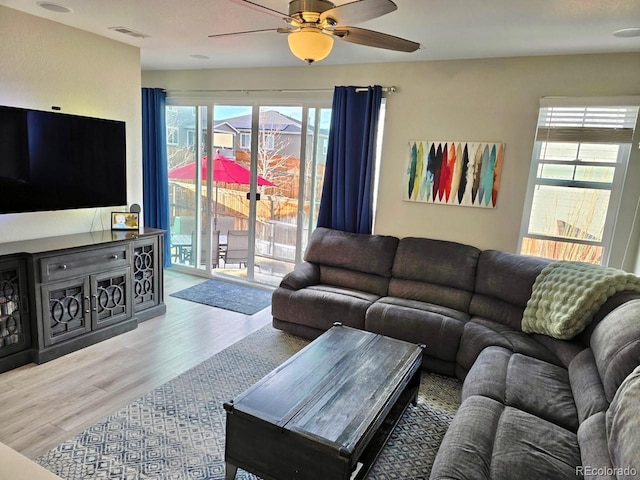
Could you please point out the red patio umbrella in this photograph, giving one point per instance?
(224, 170)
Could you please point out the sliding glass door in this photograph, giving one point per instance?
(244, 202)
(185, 156)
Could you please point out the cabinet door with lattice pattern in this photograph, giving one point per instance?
(146, 273)
(14, 323)
(66, 310)
(111, 300)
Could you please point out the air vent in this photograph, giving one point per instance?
(128, 31)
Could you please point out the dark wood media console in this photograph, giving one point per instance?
(60, 294)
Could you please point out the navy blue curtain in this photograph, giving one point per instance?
(347, 193)
(155, 183)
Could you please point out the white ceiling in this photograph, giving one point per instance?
(446, 29)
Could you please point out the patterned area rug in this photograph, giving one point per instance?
(228, 295)
(177, 430)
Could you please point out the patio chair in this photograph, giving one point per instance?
(224, 224)
(237, 250)
(215, 248)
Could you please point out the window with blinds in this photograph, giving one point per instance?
(578, 166)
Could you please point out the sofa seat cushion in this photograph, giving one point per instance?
(437, 327)
(488, 440)
(480, 333)
(592, 438)
(526, 383)
(565, 350)
(320, 306)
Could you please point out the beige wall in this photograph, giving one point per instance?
(43, 63)
(472, 100)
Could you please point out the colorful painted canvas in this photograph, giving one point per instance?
(454, 173)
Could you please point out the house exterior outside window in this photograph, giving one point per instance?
(578, 167)
(191, 137)
(245, 140)
(268, 141)
(172, 136)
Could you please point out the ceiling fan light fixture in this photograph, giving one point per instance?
(310, 45)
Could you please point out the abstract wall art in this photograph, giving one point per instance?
(454, 173)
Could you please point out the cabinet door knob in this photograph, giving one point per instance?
(62, 267)
(114, 256)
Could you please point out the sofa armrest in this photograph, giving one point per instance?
(304, 275)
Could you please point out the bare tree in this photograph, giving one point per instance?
(274, 163)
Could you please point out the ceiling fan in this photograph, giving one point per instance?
(313, 24)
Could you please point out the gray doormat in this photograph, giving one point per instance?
(177, 431)
(228, 295)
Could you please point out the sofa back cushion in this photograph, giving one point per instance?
(503, 286)
(615, 342)
(353, 260)
(586, 385)
(611, 304)
(434, 271)
(623, 427)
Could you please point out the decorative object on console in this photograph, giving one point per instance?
(454, 173)
(125, 221)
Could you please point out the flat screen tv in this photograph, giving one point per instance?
(56, 161)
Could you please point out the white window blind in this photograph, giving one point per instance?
(578, 166)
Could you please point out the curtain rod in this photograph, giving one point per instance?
(391, 89)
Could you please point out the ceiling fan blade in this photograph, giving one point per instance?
(370, 38)
(262, 8)
(279, 30)
(359, 11)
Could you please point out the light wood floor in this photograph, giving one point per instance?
(43, 405)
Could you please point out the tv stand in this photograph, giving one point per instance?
(60, 294)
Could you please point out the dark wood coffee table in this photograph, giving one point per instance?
(327, 411)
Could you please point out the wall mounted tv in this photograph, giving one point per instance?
(56, 161)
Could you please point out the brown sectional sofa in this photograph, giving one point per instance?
(532, 406)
